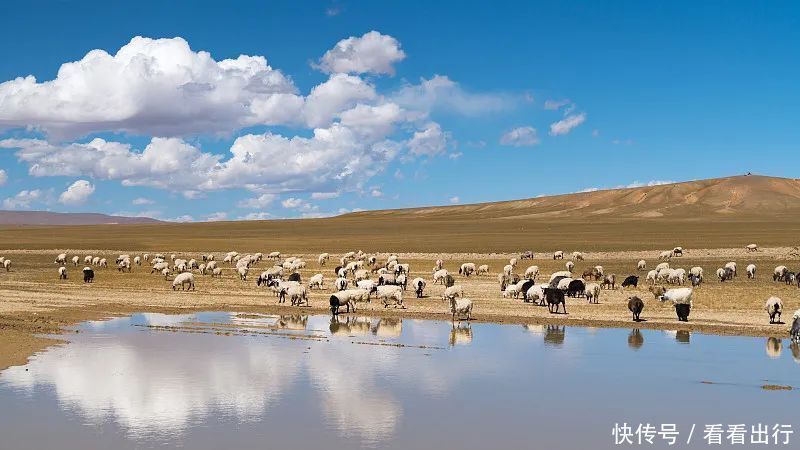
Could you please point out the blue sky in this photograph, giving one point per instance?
(346, 105)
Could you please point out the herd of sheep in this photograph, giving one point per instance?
(360, 277)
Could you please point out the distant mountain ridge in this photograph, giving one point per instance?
(56, 218)
(746, 195)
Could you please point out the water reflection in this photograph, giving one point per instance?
(554, 335)
(683, 336)
(774, 347)
(461, 334)
(635, 339)
(345, 382)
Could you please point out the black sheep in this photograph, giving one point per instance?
(682, 310)
(554, 283)
(448, 280)
(525, 286)
(554, 297)
(294, 277)
(635, 306)
(630, 280)
(88, 275)
(576, 288)
(419, 288)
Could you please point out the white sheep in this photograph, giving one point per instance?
(124, 265)
(183, 279)
(165, 272)
(369, 285)
(697, 271)
(316, 281)
(774, 307)
(347, 298)
(592, 292)
(419, 286)
(455, 290)
(243, 270)
(512, 262)
(341, 283)
(216, 272)
(467, 269)
(323, 258)
(274, 255)
(75, 260)
(561, 273)
(665, 255)
(211, 265)
(780, 273)
(160, 266)
(439, 265)
(651, 276)
(202, 269)
(62, 273)
(462, 307)
(508, 269)
(531, 273)
(732, 266)
(564, 283)
(752, 247)
(391, 295)
(483, 269)
(95, 260)
(558, 254)
(535, 293)
(439, 275)
(103, 262)
(87, 259)
(361, 274)
(511, 291)
(751, 271)
(61, 258)
(570, 265)
(641, 265)
(662, 266)
(577, 256)
(297, 295)
(137, 260)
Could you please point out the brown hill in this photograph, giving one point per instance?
(743, 196)
(54, 218)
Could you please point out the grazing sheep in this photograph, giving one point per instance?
(576, 288)
(635, 306)
(96, 260)
(662, 266)
(630, 281)
(657, 291)
(528, 254)
(779, 274)
(297, 295)
(316, 281)
(563, 283)
(562, 273)
(202, 269)
(402, 281)
(677, 251)
(554, 297)
(341, 283)
(665, 255)
(419, 286)
(512, 290)
(137, 260)
(7, 265)
(592, 292)
(795, 330)
(641, 265)
(346, 298)
(724, 274)
(294, 276)
(88, 274)
(183, 279)
(361, 274)
(531, 272)
(146, 257)
(391, 295)
(216, 272)
(158, 267)
(243, 270)
(609, 281)
(467, 269)
(751, 271)
(274, 255)
(75, 260)
(682, 299)
(677, 276)
(61, 258)
(124, 265)
(774, 307)
(438, 276)
(87, 259)
(508, 269)
(651, 276)
(62, 273)
(103, 262)
(591, 274)
(752, 247)
(577, 256)
(513, 262)
(569, 265)
(461, 307)
(732, 266)
(558, 255)
(453, 291)
(439, 265)
(369, 285)
(697, 271)
(535, 293)
(695, 279)
(483, 269)
(323, 258)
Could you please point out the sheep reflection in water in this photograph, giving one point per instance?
(554, 335)
(795, 348)
(635, 339)
(774, 347)
(460, 334)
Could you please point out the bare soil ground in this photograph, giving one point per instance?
(33, 301)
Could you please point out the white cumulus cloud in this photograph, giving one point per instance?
(431, 141)
(520, 137)
(3, 177)
(567, 124)
(142, 201)
(24, 199)
(77, 193)
(443, 94)
(262, 201)
(373, 53)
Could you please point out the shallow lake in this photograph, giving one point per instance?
(225, 380)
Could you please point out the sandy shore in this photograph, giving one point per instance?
(33, 302)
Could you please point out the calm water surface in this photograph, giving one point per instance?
(306, 382)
